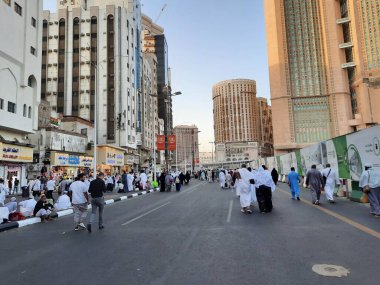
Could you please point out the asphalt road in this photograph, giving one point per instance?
(197, 236)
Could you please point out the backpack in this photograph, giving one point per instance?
(67, 186)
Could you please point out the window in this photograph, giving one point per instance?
(33, 50)
(30, 112)
(24, 111)
(30, 81)
(18, 9)
(34, 22)
(1, 104)
(11, 107)
(8, 2)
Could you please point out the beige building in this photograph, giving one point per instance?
(324, 64)
(187, 154)
(242, 123)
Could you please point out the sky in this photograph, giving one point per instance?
(209, 41)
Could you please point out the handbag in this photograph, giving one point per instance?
(366, 188)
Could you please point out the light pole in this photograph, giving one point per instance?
(166, 100)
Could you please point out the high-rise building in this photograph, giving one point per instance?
(324, 68)
(154, 42)
(93, 48)
(187, 154)
(20, 77)
(242, 123)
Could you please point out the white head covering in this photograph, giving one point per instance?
(263, 177)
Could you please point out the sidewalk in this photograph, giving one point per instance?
(109, 198)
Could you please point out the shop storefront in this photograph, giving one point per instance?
(110, 160)
(14, 162)
(69, 164)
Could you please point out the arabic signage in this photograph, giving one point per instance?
(65, 159)
(15, 153)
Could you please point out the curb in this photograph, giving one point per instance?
(35, 220)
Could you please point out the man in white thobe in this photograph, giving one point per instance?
(3, 192)
(244, 185)
(222, 178)
(130, 181)
(143, 179)
(253, 187)
(331, 177)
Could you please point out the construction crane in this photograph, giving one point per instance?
(159, 15)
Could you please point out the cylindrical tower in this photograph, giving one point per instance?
(235, 111)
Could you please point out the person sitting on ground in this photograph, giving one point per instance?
(27, 206)
(12, 205)
(43, 209)
(63, 202)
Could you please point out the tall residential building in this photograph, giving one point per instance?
(324, 68)
(187, 154)
(240, 121)
(20, 84)
(93, 48)
(154, 42)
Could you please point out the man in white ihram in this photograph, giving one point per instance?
(143, 180)
(331, 179)
(245, 189)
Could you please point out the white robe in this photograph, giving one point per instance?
(63, 203)
(245, 192)
(27, 207)
(143, 180)
(332, 179)
(130, 182)
(246, 195)
(263, 177)
(222, 179)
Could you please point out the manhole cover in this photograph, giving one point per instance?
(330, 270)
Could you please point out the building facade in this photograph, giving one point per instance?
(93, 48)
(154, 42)
(20, 84)
(186, 156)
(242, 123)
(324, 68)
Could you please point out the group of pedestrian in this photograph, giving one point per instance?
(167, 180)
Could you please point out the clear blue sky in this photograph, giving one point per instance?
(209, 41)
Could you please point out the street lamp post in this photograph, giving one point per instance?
(167, 125)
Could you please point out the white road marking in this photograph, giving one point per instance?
(143, 215)
(230, 211)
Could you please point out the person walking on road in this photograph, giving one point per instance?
(222, 179)
(274, 174)
(124, 180)
(253, 187)
(96, 190)
(80, 201)
(264, 188)
(330, 179)
(244, 179)
(293, 182)
(143, 180)
(162, 181)
(314, 181)
(370, 183)
(168, 182)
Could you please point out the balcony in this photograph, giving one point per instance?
(346, 45)
(343, 20)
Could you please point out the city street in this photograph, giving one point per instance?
(199, 236)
